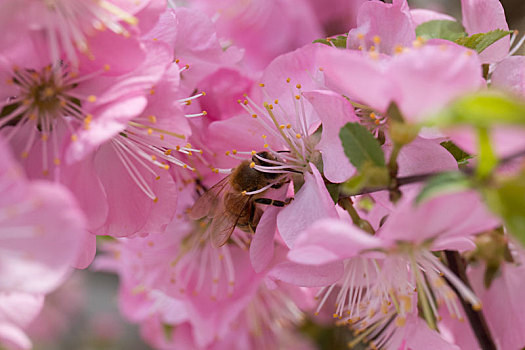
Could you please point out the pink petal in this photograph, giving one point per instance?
(335, 111)
(430, 77)
(311, 203)
(331, 240)
(355, 75)
(307, 276)
(480, 16)
(509, 74)
(420, 16)
(262, 245)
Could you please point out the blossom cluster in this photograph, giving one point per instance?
(251, 182)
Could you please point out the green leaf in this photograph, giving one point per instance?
(338, 41)
(461, 156)
(482, 109)
(441, 29)
(360, 146)
(481, 41)
(487, 159)
(370, 176)
(508, 201)
(443, 183)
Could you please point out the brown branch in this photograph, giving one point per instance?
(475, 317)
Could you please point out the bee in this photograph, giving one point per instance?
(228, 203)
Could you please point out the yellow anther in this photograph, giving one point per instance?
(298, 136)
(74, 137)
(150, 131)
(264, 136)
(204, 113)
(254, 115)
(56, 161)
(276, 101)
(376, 39)
(245, 102)
(321, 69)
(360, 36)
(287, 80)
(166, 167)
(161, 136)
(32, 116)
(203, 93)
(188, 103)
(177, 148)
(45, 172)
(288, 126)
(243, 192)
(297, 97)
(234, 151)
(400, 321)
(152, 119)
(298, 86)
(282, 126)
(372, 48)
(254, 153)
(187, 66)
(92, 98)
(360, 48)
(377, 122)
(106, 67)
(418, 42)
(476, 307)
(45, 137)
(266, 145)
(372, 115)
(25, 154)
(252, 165)
(227, 153)
(153, 157)
(185, 166)
(270, 106)
(152, 91)
(398, 49)
(157, 178)
(261, 84)
(177, 60)
(155, 200)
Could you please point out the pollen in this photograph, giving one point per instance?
(276, 101)
(152, 91)
(297, 97)
(282, 126)
(373, 115)
(261, 84)
(204, 113)
(398, 49)
(234, 151)
(155, 200)
(106, 67)
(287, 80)
(152, 119)
(24, 154)
(298, 86)
(150, 131)
(56, 161)
(92, 98)
(167, 167)
(252, 165)
(360, 36)
(418, 42)
(74, 137)
(227, 153)
(298, 135)
(266, 145)
(254, 153)
(254, 115)
(376, 39)
(45, 137)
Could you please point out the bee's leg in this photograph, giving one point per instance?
(274, 202)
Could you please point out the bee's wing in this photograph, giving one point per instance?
(207, 204)
(225, 221)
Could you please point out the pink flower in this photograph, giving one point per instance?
(382, 27)
(74, 28)
(382, 270)
(17, 310)
(265, 29)
(419, 80)
(36, 254)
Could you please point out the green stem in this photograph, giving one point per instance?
(347, 204)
